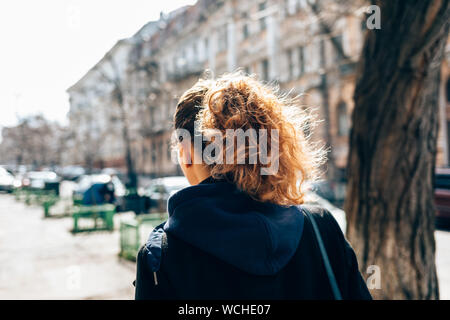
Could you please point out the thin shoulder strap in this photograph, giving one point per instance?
(332, 279)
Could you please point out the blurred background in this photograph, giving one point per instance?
(88, 94)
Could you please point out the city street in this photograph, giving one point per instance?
(41, 259)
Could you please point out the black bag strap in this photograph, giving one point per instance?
(331, 278)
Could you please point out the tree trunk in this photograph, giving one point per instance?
(132, 176)
(331, 165)
(389, 204)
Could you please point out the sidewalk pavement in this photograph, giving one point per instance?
(41, 259)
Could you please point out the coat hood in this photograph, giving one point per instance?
(257, 237)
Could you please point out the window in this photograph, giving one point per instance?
(162, 114)
(265, 69)
(262, 20)
(195, 52)
(301, 55)
(290, 63)
(175, 64)
(322, 54)
(153, 152)
(291, 7)
(262, 6)
(152, 117)
(448, 90)
(144, 153)
(164, 71)
(169, 151)
(206, 46)
(302, 4)
(247, 70)
(343, 121)
(312, 57)
(245, 32)
(222, 38)
(245, 26)
(160, 151)
(337, 41)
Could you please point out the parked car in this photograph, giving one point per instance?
(85, 182)
(334, 192)
(312, 198)
(442, 196)
(7, 180)
(43, 180)
(71, 173)
(161, 189)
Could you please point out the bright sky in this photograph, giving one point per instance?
(47, 45)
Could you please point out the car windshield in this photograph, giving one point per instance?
(42, 175)
(157, 188)
(4, 172)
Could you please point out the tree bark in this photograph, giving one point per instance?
(132, 175)
(119, 97)
(331, 165)
(389, 204)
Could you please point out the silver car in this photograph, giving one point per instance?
(6, 180)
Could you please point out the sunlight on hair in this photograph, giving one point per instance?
(239, 101)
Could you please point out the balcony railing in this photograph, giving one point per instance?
(188, 69)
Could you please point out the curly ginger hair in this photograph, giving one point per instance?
(238, 101)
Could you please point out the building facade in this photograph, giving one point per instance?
(307, 54)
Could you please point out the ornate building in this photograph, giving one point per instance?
(306, 50)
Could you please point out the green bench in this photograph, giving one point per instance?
(77, 200)
(47, 202)
(134, 232)
(30, 196)
(19, 194)
(35, 196)
(101, 216)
